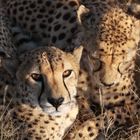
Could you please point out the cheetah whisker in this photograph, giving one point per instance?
(134, 93)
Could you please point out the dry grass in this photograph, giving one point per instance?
(8, 130)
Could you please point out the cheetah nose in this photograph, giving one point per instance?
(56, 102)
(107, 84)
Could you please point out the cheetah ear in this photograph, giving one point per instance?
(78, 53)
(8, 64)
(81, 11)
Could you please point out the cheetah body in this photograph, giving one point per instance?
(57, 19)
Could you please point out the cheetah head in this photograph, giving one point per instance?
(47, 78)
(114, 37)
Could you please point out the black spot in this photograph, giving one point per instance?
(91, 134)
(36, 120)
(89, 128)
(138, 106)
(97, 124)
(43, 10)
(42, 25)
(50, 28)
(132, 98)
(34, 123)
(39, 16)
(108, 98)
(58, 15)
(24, 2)
(33, 19)
(72, 20)
(40, 1)
(116, 123)
(72, 3)
(26, 18)
(116, 97)
(122, 102)
(115, 90)
(124, 87)
(127, 119)
(20, 17)
(30, 114)
(57, 27)
(30, 126)
(21, 9)
(80, 135)
(50, 20)
(65, 7)
(66, 16)
(102, 50)
(15, 4)
(119, 116)
(128, 94)
(32, 27)
(41, 115)
(73, 30)
(51, 11)
(25, 139)
(46, 122)
(29, 12)
(14, 11)
(54, 39)
(113, 111)
(61, 36)
(48, 3)
(32, 5)
(42, 131)
(59, 5)
(38, 138)
(44, 35)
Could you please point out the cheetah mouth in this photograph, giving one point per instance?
(61, 110)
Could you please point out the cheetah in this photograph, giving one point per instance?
(109, 56)
(22, 42)
(42, 98)
(113, 36)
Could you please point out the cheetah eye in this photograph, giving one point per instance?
(97, 65)
(36, 77)
(67, 73)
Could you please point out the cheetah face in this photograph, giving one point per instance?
(47, 78)
(111, 70)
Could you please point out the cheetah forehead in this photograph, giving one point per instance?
(113, 28)
(116, 27)
(44, 55)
